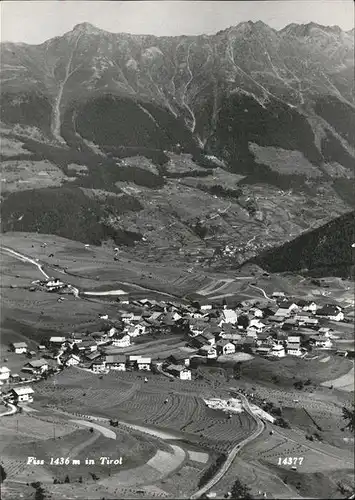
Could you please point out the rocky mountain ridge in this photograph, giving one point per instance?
(273, 110)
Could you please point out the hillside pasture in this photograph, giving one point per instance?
(285, 369)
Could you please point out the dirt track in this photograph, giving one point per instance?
(343, 383)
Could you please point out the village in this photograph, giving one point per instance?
(173, 339)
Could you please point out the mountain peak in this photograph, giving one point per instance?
(86, 28)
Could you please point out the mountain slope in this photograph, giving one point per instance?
(325, 251)
(256, 124)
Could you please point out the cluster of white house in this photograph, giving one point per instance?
(287, 327)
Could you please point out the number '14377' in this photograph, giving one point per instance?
(290, 461)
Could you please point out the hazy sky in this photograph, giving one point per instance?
(36, 21)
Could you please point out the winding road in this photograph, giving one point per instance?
(11, 411)
(262, 291)
(23, 258)
(233, 453)
(75, 290)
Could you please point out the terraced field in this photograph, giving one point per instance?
(161, 403)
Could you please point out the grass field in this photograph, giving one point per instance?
(289, 369)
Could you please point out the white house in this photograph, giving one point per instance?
(263, 350)
(228, 316)
(293, 345)
(180, 371)
(135, 330)
(4, 373)
(144, 364)
(256, 325)
(225, 347)
(73, 360)
(278, 351)
(209, 351)
(208, 338)
(57, 340)
(310, 307)
(22, 394)
(206, 307)
(98, 366)
(38, 366)
(323, 342)
(88, 345)
(127, 317)
(258, 313)
(19, 347)
(278, 295)
(331, 312)
(122, 341)
(116, 362)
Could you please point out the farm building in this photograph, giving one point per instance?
(57, 340)
(225, 347)
(232, 337)
(322, 342)
(37, 366)
(208, 338)
(22, 394)
(263, 350)
(310, 306)
(282, 313)
(78, 337)
(179, 371)
(278, 351)
(144, 364)
(209, 351)
(127, 317)
(331, 312)
(289, 305)
(179, 358)
(98, 366)
(293, 346)
(4, 373)
(19, 347)
(115, 362)
(277, 295)
(87, 345)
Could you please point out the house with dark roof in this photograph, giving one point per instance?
(225, 347)
(115, 362)
(38, 366)
(179, 371)
(179, 358)
(19, 347)
(209, 351)
(331, 312)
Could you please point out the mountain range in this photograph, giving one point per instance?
(242, 139)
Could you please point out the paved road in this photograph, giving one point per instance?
(233, 453)
(109, 292)
(106, 432)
